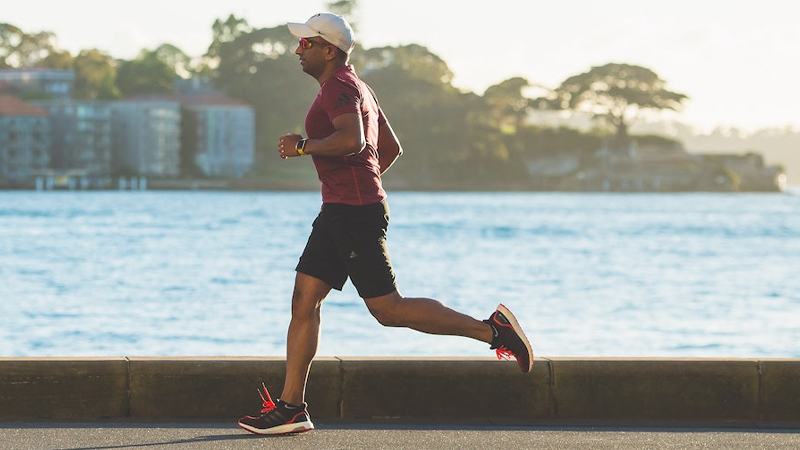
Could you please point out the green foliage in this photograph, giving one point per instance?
(616, 92)
(95, 76)
(147, 74)
(431, 117)
(10, 37)
(416, 61)
(508, 106)
(179, 62)
(558, 141)
(21, 49)
(58, 60)
(654, 140)
(346, 9)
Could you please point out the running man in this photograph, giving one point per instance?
(351, 144)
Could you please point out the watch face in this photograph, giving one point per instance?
(301, 146)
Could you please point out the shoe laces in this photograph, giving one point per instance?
(268, 404)
(504, 353)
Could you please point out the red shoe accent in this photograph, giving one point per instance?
(504, 353)
(510, 341)
(268, 404)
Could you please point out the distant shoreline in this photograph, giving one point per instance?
(223, 186)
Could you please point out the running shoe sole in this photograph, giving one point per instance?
(299, 427)
(518, 329)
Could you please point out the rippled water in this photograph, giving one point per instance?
(211, 273)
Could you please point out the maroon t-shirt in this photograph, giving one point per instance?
(353, 179)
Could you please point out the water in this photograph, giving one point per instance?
(211, 273)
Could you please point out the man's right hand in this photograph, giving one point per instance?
(287, 145)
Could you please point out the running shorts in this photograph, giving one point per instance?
(350, 241)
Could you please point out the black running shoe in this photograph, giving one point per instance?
(509, 340)
(278, 418)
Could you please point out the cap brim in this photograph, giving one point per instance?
(301, 30)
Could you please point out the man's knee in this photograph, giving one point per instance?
(387, 310)
(307, 296)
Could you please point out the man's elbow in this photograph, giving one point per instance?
(396, 150)
(356, 146)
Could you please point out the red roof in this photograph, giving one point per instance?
(12, 106)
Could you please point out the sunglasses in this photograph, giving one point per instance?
(306, 44)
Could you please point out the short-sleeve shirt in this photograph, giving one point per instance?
(354, 179)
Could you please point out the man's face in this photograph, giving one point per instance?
(312, 52)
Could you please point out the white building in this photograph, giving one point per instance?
(220, 134)
(146, 136)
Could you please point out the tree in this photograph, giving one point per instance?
(58, 60)
(215, 65)
(147, 74)
(415, 60)
(346, 9)
(225, 32)
(437, 124)
(21, 49)
(508, 106)
(616, 93)
(176, 59)
(95, 76)
(10, 37)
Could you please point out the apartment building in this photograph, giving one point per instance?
(54, 84)
(24, 141)
(219, 134)
(145, 135)
(58, 136)
(81, 136)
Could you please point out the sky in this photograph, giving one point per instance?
(737, 61)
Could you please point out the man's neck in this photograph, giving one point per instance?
(329, 71)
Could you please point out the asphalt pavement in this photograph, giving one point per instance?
(331, 435)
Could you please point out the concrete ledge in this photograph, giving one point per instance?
(208, 388)
(657, 390)
(63, 388)
(444, 389)
(652, 391)
(780, 391)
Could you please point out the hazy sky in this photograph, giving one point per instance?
(738, 61)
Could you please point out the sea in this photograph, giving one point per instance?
(200, 273)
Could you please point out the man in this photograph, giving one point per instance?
(352, 144)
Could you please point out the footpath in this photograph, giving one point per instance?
(372, 435)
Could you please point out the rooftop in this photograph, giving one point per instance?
(12, 106)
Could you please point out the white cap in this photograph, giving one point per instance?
(331, 27)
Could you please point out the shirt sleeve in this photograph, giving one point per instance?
(339, 98)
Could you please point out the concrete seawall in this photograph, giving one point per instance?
(603, 391)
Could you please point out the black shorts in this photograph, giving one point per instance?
(350, 241)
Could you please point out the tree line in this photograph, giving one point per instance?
(449, 135)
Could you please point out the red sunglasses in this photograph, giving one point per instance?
(306, 44)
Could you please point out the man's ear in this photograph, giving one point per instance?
(331, 52)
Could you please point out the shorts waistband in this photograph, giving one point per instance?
(342, 207)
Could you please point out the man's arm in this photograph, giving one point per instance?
(348, 139)
(389, 148)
